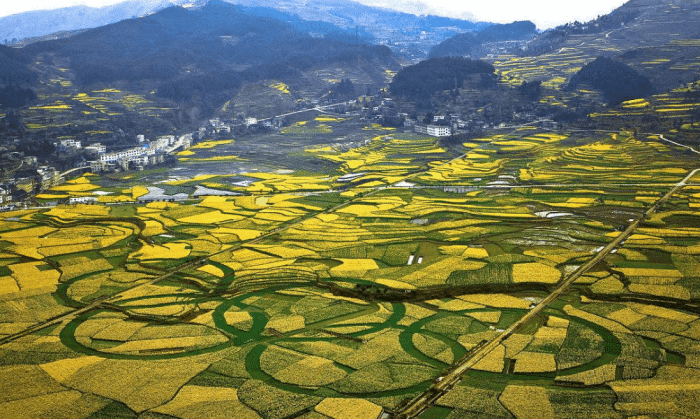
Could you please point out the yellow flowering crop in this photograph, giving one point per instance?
(493, 361)
(342, 408)
(166, 251)
(496, 300)
(28, 275)
(353, 267)
(311, 371)
(535, 272)
(286, 324)
(527, 401)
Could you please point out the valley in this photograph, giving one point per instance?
(305, 251)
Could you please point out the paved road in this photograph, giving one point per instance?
(315, 108)
(113, 298)
(661, 137)
(94, 305)
(422, 402)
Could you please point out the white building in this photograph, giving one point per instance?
(5, 195)
(50, 177)
(68, 145)
(162, 142)
(129, 154)
(439, 131)
(433, 130)
(95, 166)
(82, 200)
(96, 148)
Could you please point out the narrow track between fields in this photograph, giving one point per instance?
(444, 383)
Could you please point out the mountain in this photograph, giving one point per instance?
(14, 67)
(43, 22)
(468, 43)
(378, 20)
(618, 82)
(314, 16)
(15, 76)
(635, 24)
(657, 38)
(203, 54)
(420, 81)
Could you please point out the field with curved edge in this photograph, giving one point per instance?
(346, 293)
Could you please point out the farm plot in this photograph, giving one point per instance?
(382, 160)
(279, 304)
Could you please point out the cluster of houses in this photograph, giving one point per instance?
(147, 153)
(26, 176)
(443, 127)
(247, 124)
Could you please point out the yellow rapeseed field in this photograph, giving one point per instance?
(311, 371)
(493, 361)
(210, 144)
(287, 323)
(672, 291)
(527, 402)
(212, 270)
(626, 316)
(234, 317)
(64, 369)
(353, 267)
(380, 348)
(535, 272)
(138, 191)
(166, 251)
(153, 228)
(8, 285)
(601, 321)
(242, 233)
(84, 267)
(476, 253)
(417, 312)
(496, 300)
(454, 305)
(341, 408)
(395, 284)
(609, 285)
(213, 217)
(597, 376)
(557, 322)
(207, 402)
(167, 343)
(28, 275)
(535, 362)
(486, 316)
(516, 343)
(438, 272)
(662, 312)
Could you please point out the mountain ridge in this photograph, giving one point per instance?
(348, 15)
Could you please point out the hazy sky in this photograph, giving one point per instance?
(545, 13)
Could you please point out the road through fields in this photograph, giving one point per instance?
(115, 297)
(452, 377)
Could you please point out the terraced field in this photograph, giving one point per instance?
(340, 269)
(350, 291)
